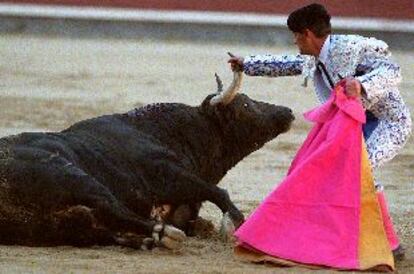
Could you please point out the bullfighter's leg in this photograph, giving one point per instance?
(59, 184)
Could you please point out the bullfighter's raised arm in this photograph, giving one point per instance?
(273, 65)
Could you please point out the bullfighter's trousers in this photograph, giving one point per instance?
(369, 127)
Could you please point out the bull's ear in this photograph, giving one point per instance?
(206, 106)
(219, 83)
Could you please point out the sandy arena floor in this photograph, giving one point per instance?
(49, 83)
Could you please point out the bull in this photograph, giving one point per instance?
(134, 179)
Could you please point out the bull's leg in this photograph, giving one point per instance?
(182, 187)
(183, 216)
(58, 184)
(121, 219)
(79, 226)
(232, 217)
(131, 230)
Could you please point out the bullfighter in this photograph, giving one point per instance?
(369, 73)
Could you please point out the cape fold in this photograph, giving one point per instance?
(325, 212)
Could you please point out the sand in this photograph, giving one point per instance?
(49, 83)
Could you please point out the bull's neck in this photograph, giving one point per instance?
(221, 151)
(200, 141)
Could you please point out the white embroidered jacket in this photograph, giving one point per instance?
(348, 55)
(367, 59)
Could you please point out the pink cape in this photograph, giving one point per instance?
(313, 215)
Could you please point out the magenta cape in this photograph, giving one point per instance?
(314, 215)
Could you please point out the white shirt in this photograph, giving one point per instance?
(322, 85)
(323, 55)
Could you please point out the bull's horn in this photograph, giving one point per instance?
(227, 96)
(219, 83)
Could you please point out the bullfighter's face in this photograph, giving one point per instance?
(303, 42)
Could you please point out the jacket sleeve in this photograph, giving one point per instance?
(273, 65)
(376, 72)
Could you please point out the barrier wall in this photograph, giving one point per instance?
(245, 22)
(395, 9)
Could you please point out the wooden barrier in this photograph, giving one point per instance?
(396, 9)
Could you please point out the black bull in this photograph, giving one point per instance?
(98, 181)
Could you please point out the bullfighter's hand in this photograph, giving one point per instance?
(236, 63)
(352, 87)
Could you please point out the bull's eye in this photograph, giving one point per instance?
(246, 105)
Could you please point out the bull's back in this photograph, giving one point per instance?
(34, 170)
(109, 149)
(105, 137)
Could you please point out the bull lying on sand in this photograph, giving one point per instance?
(134, 179)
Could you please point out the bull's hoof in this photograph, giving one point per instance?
(168, 236)
(227, 228)
(134, 241)
(170, 243)
(147, 244)
(200, 227)
(236, 216)
(174, 233)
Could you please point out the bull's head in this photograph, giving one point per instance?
(245, 121)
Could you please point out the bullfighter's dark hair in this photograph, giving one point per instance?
(313, 17)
